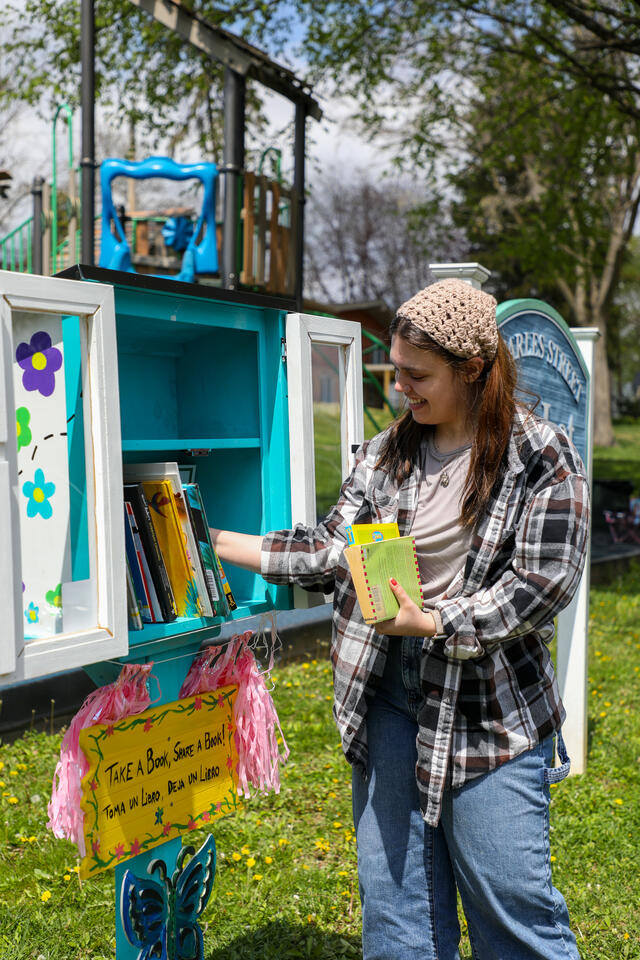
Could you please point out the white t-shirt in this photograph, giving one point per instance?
(442, 543)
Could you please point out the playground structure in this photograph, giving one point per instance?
(174, 242)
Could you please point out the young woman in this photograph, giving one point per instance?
(449, 714)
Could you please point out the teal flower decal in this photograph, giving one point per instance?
(31, 613)
(38, 493)
(23, 429)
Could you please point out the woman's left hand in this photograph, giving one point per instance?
(410, 620)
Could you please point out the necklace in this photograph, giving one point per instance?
(446, 459)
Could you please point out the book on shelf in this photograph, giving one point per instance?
(155, 609)
(169, 472)
(373, 564)
(134, 494)
(134, 569)
(206, 553)
(133, 610)
(165, 518)
(226, 587)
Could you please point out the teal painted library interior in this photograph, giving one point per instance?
(202, 382)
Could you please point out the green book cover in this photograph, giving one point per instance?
(373, 564)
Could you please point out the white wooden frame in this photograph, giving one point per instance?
(303, 330)
(573, 621)
(109, 637)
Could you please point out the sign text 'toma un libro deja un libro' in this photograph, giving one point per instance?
(549, 364)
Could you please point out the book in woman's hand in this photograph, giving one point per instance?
(372, 565)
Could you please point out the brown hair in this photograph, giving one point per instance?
(492, 405)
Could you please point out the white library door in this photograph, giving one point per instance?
(324, 375)
(62, 571)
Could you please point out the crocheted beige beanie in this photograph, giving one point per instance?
(459, 317)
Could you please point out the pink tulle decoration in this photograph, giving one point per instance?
(255, 715)
(127, 696)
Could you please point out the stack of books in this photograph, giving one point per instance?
(172, 569)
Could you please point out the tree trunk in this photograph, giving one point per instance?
(603, 435)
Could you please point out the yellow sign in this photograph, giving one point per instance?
(154, 776)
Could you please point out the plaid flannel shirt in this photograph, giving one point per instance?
(488, 682)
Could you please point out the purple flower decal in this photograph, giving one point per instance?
(40, 361)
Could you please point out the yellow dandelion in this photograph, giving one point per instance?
(251, 862)
(289, 684)
(334, 780)
(336, 824)
(32, 839)
(305, 866)
(21, 766)
(602, 713)
(625, 936)
(305, 666)
(552, 858)
(268, 859)
(282, 842)
(76, 869)
(309, 918)
(1, 764)
(245, 850)
(45, 896)
(236, 857)
(314, 662)
(67, 877)
(2, 784)
(257, 876)
(343, 873)
(229, 894)
(618, 800)
(607, 704)
(332, 795)
(12, 800)
(344, 893)
(13, 773)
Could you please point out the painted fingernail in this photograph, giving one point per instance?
(393, 582)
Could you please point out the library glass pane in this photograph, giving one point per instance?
(325, 361)
(55, 489)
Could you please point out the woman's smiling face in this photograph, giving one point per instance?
(434, 391)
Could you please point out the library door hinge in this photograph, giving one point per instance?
(283, 345)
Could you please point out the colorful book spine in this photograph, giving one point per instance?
(154, 604)
(198, 517)
(166, 521)
(134, 494)
(135, 572)
(133, 611)
(226, 587)
(193, 553)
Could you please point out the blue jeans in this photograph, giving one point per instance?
(492, 843)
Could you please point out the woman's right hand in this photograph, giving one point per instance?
(240, 549)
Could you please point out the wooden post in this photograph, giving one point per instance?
(573, 622)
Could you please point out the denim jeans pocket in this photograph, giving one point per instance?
(556, 774)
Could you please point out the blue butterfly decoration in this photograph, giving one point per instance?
(160, 916)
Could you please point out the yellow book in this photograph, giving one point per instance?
(166, 522)
(373, 564)
(369, 532)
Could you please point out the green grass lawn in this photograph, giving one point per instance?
(286, 882)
